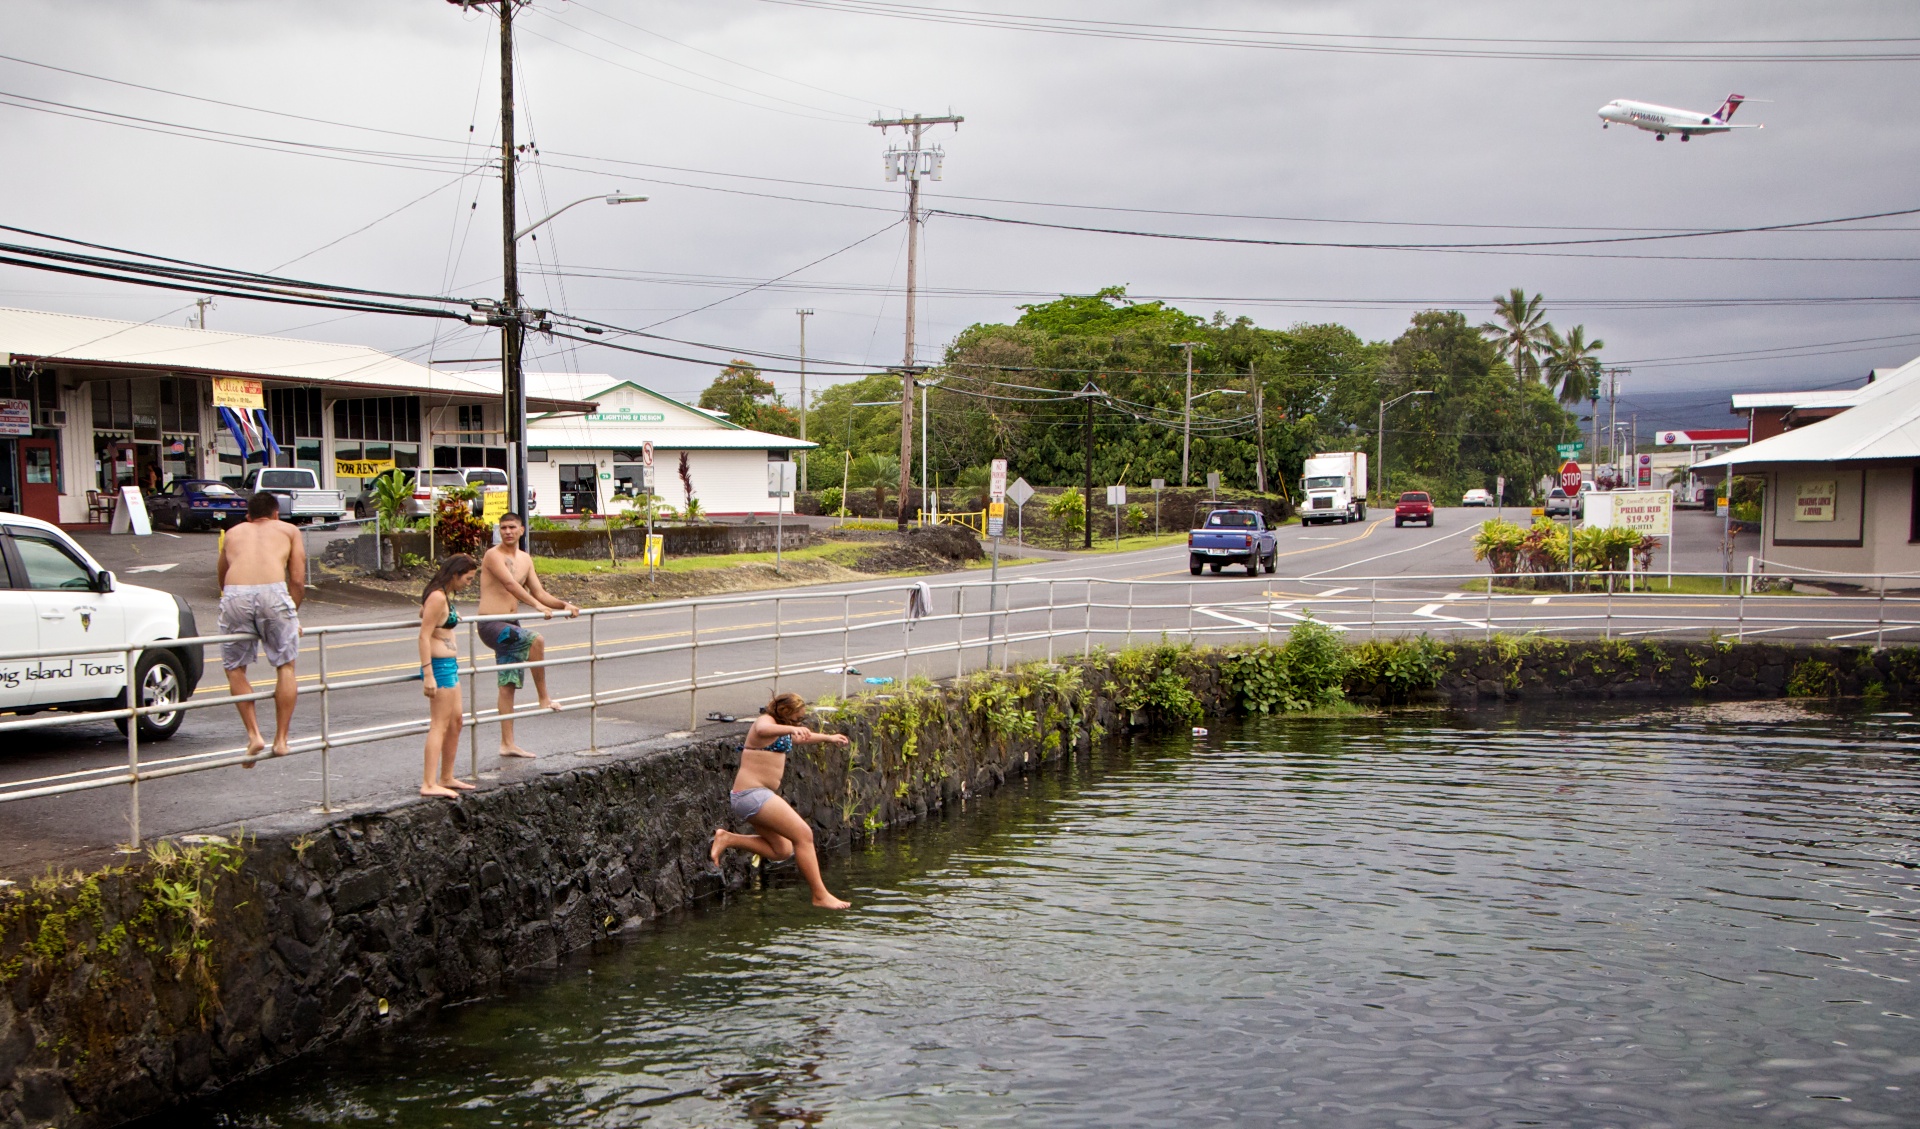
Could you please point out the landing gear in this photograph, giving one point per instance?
(1659, 137)
(1686, 137)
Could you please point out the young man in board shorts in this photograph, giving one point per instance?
(263, 577)
(507, 580)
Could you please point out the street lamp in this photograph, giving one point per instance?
(1380, 444)
(614, 199)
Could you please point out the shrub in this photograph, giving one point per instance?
(1498, 543)
(1397, 669)
(1152, 679)
(1137, 519)
(831, 500)
(1069, 514)
(455, 529)
(1814, 678)
(1307, 673)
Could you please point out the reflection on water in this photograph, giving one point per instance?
(1692, 916)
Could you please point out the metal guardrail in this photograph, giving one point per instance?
(1027, 618)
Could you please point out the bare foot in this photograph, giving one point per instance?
(549, 704)
(719, 847)
(437, 790)
(280, 749)
(515, 751)
(460, 784)
(254, 745)
(831, 902)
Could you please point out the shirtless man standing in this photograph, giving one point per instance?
(263, 578)
(507, 580)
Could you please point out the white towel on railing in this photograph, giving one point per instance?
(919, 601)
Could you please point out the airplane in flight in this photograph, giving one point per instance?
(1662, 120)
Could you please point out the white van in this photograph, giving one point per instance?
(54, 596)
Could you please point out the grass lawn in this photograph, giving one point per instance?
(1132, 541)
(1679, 585)
(833, 554)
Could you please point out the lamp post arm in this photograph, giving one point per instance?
(611, 199)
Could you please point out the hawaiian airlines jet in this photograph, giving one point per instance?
(1662, 120)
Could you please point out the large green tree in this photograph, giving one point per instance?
(745, 397)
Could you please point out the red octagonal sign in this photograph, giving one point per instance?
(1570, 478)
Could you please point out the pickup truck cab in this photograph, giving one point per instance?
(55, 597)
(1232, 537)
(301, 498)
(1414, 505)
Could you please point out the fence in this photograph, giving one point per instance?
(975, 623)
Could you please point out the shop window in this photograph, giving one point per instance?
(392, 418)
(294, 413)
(579, 488)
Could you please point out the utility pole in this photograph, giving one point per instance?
(1259, 430)
(1088, 394)
(513, 391)
(804, 315)
(200, 311)
(914, 163)
(1186, 413)
(1613, 420)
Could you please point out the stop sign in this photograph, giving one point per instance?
(1570, 478)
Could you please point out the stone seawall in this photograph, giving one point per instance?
(134, 988)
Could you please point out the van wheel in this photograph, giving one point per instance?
(161, 682)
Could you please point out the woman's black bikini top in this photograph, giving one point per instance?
(781, 744)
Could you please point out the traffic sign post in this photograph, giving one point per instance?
(1159, 484)
(1570, 482)
(996, 525)
(780, 484)
(1116, 497)
(1569, 450)
(1499, 495)
(1021, 492)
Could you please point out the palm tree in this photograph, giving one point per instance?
(1521, 331)
(1573, 364)
(875, 472)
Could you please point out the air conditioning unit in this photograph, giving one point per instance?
(53, 417)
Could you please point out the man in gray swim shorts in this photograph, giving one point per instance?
(263, 578)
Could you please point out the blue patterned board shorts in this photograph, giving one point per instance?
(510, 643)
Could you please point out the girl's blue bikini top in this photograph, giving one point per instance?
(781, 744)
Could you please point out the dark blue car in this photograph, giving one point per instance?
(197, 503)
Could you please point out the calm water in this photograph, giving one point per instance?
(1695, 916)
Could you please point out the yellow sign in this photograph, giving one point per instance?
(492, 505)
(361, 468)
(1814, 500)
(232, 392)
(996, 509)
(656, 549)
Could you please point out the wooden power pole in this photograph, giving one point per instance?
(914, 163)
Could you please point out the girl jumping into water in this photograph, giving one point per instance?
(782, 834)
(440, 670)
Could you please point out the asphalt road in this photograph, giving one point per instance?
(1318, 576)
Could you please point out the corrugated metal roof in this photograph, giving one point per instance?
(54, 338)
(1883, 422)
(575, 434)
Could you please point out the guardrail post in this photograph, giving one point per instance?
(1373, 610)
(693, 667)
(593, 683)
(1087, 648)
(326, 731)
(1049, 623)
(776, 645)
(473, 701)
(1740, 632)
(846, 638)
(1609, 605)
(133, 751)
(1006, 627)
(1880, 623)
(1129, 613)
(1189, 611)
(1489, 616)
(959, 629)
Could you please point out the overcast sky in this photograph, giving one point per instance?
(701, 97)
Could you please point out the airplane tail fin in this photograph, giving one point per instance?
(1725, 112)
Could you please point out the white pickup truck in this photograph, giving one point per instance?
(301, 498)
(55, 597)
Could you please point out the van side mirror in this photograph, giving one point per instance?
(103, 581)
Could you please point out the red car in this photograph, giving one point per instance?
(1414, 505)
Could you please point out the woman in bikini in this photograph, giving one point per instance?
(440, 671)
(782, 834)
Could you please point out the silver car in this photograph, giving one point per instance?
(1559, 503)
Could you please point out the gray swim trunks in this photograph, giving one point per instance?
(264, 611)
(747, 802)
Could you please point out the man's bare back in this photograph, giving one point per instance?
(258, 552)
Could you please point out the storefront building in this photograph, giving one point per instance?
(581, 463)
(88, 405)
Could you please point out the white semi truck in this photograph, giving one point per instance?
(1333, 487)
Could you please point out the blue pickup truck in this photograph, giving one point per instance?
(1232, 537)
